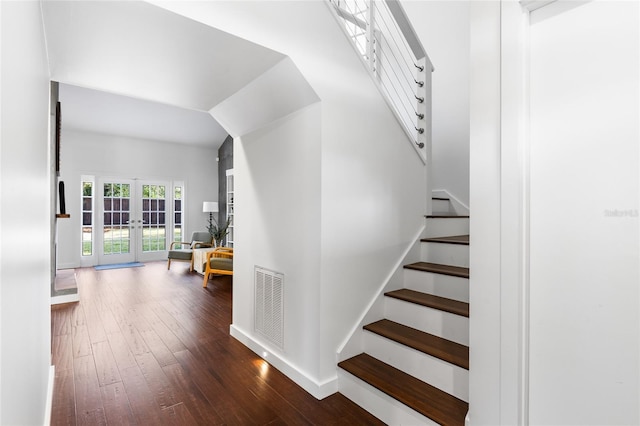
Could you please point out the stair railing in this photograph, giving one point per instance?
(389, 47)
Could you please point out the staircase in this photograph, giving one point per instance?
(415, 364)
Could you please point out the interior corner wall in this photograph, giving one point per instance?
(86, 153)
(277, 227)
(443, 29)
(25, 216)
(225, 162)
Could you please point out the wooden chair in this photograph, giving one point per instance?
(184, 252)
(219, 261)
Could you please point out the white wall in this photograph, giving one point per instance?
(277, 225)
(84, 153)
(585, 257)
(484, 223)
(443, 29)
(25, 217)
(373, 206)
(554, 325)
(372, 186)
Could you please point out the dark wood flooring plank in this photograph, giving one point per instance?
(120, 349)
(62, 351)
(136, 315)
(77, 315)
(143, 405)
(131, 335)
(230, 409)
(269, 397)
(106, 366)
(195, 326)
(157, 381)
(188, 340)
(157, 347)
(94, 322)
(63, 411)
(178, 415)
(60, 322)
(116, 405)
(169, 339)
(177, 307)
(188, 392)
(247, 386)
(349, 412)
(81, 341)
(109, 322)
(89, 408)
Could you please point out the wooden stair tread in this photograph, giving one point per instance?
(454, 239)
(446, 215)
(440, 198)
(431, 301)
(437, 268)
(446, 350)
(429, 401)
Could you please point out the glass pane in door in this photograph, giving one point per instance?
(116, 210)
(154, 218)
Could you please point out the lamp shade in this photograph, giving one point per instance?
(210, 207)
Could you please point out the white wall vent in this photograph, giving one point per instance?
(269, 305)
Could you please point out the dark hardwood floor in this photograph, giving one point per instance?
(148, 346)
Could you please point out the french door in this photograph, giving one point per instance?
(134, 219)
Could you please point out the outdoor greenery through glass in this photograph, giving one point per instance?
(177, 214)
(153, 218)
(117, 204)
(87, 218)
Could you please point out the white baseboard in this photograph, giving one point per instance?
(65, 298)
(319, 390)
(49, 403)
(459, 207)
(67, 266)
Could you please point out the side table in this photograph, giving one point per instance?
(199, 257)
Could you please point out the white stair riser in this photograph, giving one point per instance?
(445, 376)
(381, 405)
(437, 284)
(433, 321)
(441, 206)
(446, 227)
(446, 254)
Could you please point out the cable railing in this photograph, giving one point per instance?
(388, 45)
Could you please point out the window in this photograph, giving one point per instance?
(87, 217)
(153, 218)
(117, 204)
(177, 212)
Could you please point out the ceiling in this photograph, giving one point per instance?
(102, 112)
(132, 68)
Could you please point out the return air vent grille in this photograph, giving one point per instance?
(269, 305)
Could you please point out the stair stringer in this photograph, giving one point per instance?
(458, 206)
(354, 342)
